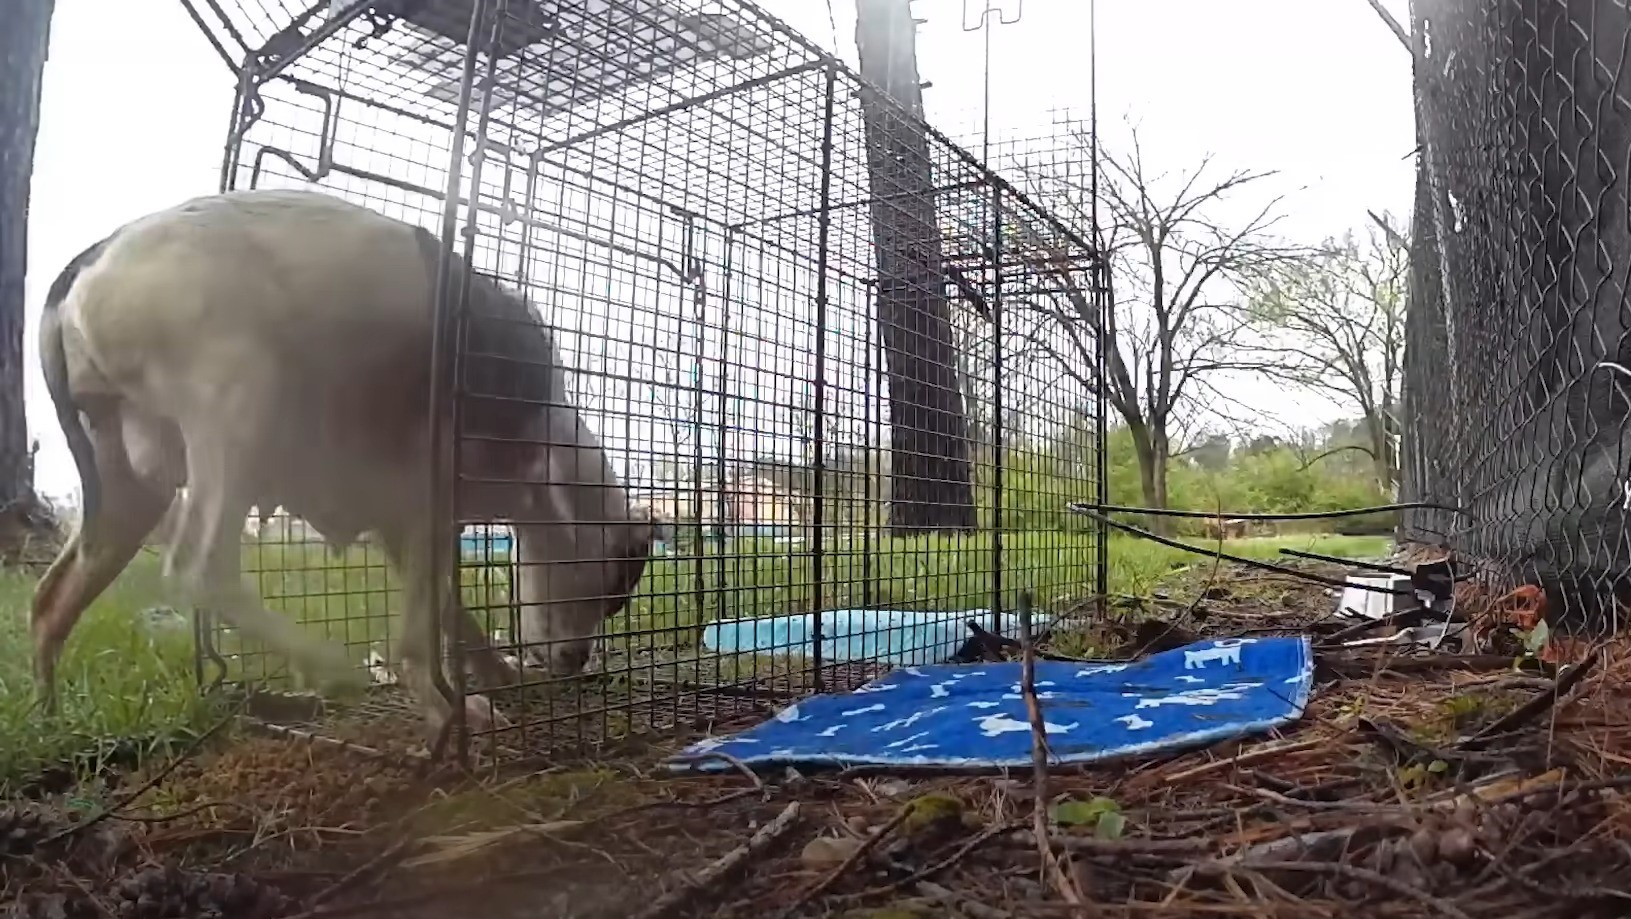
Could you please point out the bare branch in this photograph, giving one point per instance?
(1393, 237)
(1335, 450)
(1393, 23)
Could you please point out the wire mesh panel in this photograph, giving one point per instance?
(1055, 324)
(793, 439)
(1515, 387)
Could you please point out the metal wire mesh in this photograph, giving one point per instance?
(1517, 297)
(779, 300)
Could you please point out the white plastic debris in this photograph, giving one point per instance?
(378, 671)
(1371, 604)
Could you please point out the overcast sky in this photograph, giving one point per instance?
(1318, 89)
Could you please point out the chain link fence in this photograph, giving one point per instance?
(1516, 393)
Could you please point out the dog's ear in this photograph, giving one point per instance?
(629, 558)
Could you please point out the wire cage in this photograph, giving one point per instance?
(778, 299)
(1515, 393)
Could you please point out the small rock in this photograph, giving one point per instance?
(858, 824)
(1409, 872)
(894, 788)
(828, 851)
(1424, 842)
(1442, 875)
(1456, 846)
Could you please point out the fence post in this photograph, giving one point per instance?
(999, 459)
(445, 363)
(722, 509)
(692, 274)
(819, 463)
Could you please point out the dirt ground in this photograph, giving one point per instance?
(1416, 784)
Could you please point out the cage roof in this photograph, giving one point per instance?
(554, 55)
(731, 94)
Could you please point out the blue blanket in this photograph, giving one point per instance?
(973, 715)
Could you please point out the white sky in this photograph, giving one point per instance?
(1318, 89)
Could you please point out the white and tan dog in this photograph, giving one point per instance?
(273, 348)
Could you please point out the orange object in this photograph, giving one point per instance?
(1523, 608)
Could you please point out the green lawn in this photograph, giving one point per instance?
(119, 680)
(130, 675)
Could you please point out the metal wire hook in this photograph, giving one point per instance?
(991, 6)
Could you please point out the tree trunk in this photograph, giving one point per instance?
(1152, 476)
(1381, 450)
(930, 484)
(23, 41)
(1161, 456)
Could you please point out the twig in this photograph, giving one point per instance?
(1322, 844)
(973, 842)
(1537, 705)
(1365, 665)
(1394, 238)
(350, 879)
(951, 898)
(674, 900)
(1409, 750)
(90, 897)
(1440, 906)
(843, 867)
(404, 904)
(1360, 806)
(1573, 894)
(1403, 618)
(732, 761)
(1094, 845)
(158, 819)
(349, 746)
(1264, 751)
(1052, 871)
(1404, 39)
(1504, 788)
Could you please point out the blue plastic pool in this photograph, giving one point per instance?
(900, 637)
(478, 543)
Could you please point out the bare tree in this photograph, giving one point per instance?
(23, 42)
(1174, 316)
(1337, 318)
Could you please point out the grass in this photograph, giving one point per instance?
(128, 675)
(125, 680)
